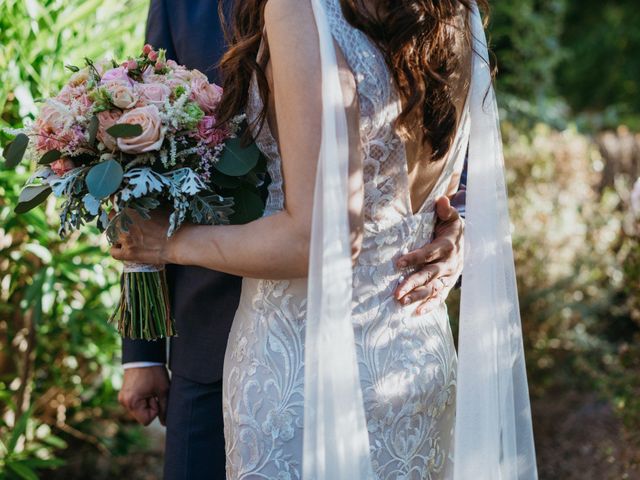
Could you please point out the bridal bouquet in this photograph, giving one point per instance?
(138, 136)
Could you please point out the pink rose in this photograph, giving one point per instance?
(153, 93)
(107, 119)
(153, 55)
(122, 96)
(205, 94)
(209, 134)
(152, 134)
(62, 166)
(77, 98)
(130, 64)
(147, 49)
(150, 76)
(118, 74)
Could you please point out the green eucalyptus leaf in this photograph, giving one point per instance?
(247, 206)
(14, 150)
(93, 129)
(219, 179)
(261, 166)
(104, 178)
(49, 157)
(31, 197)
(237, 160)
(125, 130)
(72, 68)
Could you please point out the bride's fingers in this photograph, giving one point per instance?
(121, 252)
(116, 252)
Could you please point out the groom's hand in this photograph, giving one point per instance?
(438, 264)
(144, 393)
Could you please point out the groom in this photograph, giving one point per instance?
(204, 301)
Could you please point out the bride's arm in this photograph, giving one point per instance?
(276, 246)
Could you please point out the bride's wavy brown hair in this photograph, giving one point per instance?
(415, 36)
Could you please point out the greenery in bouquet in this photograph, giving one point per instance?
(134, 137)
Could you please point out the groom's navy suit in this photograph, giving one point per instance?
(203, 301)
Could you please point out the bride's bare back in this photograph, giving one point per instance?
(423, 174)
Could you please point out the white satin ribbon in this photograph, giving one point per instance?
(131, 267)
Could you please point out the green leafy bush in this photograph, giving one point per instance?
(58, 378)
(601, 70)
(578, 268)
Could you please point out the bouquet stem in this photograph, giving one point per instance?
(144, 311)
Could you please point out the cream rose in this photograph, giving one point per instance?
(106, 120)
(205, 94)
(79, 78)
(182, 74)
(152, 93)
(195, 74)
(53, 118)
(152, 134)
(122, 96)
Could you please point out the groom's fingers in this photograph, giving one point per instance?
(416, 280)
(437, 296)
(143, 410)
(162, 409)
(445, 211)
(440, 250)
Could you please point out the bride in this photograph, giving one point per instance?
(365, 110)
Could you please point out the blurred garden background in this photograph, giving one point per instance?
(569, 87)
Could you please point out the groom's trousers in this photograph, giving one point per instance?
(195, 431)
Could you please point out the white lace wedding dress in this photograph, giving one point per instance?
(407, 363)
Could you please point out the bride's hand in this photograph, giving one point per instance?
(146, 241)
(438, 264)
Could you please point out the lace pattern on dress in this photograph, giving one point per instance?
(407, 363)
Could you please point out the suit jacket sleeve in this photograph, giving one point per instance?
(144, 351)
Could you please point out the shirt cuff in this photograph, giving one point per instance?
(128, 365)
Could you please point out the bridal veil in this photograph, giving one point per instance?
(493, 435)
